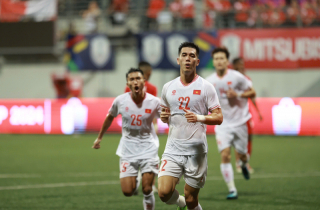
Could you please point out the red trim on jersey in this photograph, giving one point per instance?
(164, 107)
(248, 77)
(215, 107)
(145, 95)
(194, 79)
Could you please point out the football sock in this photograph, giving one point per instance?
(177, 199)
(148, 201)
(227, 173)
(197, 208)
(249, 147)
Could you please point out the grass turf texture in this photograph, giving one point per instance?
(63, 172)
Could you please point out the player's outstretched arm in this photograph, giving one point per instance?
(106, 124)
(257, 108)
(215, 118)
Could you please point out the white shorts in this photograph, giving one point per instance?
(193, 167)
(131, 167)
(234, 136)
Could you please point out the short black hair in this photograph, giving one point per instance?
(144, 63)
(221, 49)
(191, 45)
(133, 70)
(236, 60)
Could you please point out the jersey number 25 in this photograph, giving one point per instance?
(136, 120)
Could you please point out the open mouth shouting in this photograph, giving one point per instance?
(136, 89)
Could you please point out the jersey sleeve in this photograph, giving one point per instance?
(114, 111)
(212, 99)
(158, 107)
(164, 103)
(245, 84)
(127, 89)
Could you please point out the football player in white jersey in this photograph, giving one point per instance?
(185, 103)
(233, 90)
(238, 64)
(138, 147)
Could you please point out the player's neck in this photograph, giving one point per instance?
(221, 73)
(187, 79)
(138, 97)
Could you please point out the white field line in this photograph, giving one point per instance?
(81, 174)
(67, 184)
(211, 178)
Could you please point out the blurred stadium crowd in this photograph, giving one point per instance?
(193, 14)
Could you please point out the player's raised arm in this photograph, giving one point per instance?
(215, 118)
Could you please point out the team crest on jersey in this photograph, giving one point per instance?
(148, 111)
(127, 109)
(196, 92)
(174, 92)
(229, 83)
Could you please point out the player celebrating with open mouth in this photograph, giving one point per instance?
(138, 147)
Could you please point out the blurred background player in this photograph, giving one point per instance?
(233, 90)
(138, 147)
(238, 64)
(152, 89)
(185, 103)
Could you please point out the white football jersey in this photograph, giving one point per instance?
(199, 97)
(139, 140)
(235, 111)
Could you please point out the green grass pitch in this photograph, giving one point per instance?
(63, 172)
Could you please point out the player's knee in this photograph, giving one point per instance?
(127, 192)
(146, 189)
(164, 194)
(191, 201)
(225, 157)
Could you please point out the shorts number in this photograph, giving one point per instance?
(165, 163)
(124, 168)
(182, 99)
(136, 120)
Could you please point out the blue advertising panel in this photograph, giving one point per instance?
(89, 53)
(161, 49)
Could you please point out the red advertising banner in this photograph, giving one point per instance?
(281, 116)
(274, 48)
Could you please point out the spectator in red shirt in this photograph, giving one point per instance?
(175, 8)
(187, 14)
(118, 11)
(293, 11)
(155, 6)
(308, 14)
(242, 8)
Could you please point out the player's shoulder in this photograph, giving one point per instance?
(211, 77)
(172, 82)
(123, 96)
(248, 77)
(235, 73)
(204, 81)
(151, 99)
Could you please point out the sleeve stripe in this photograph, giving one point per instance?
(163, 106)
(215, 107)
